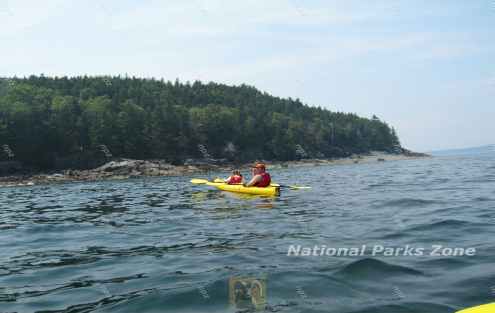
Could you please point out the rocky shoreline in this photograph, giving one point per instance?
(129, 168)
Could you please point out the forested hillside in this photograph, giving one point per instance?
(67, 122)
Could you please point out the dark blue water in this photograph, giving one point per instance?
(164, 245)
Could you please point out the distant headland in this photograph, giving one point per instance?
(57, 124)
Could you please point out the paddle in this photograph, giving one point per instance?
(199, 181)
(205, 181)
(487, 308)
(290, 186)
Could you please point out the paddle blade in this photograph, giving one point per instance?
(290, 186)
(199, 181)
(299, 187)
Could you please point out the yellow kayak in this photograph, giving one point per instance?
(487, 308)
(264, 191)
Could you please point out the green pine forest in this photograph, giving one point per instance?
(63, 122)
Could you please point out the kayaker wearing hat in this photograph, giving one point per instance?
(261, 178)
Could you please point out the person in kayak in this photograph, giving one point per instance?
(235, 178)
(261, 178)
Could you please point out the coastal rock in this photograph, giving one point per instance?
(126, 168)
(124, 165)
(410, 153)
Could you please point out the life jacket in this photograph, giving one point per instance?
(235, 179)
(265, 181)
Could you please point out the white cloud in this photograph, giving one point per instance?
(22, 15)
(225, 18)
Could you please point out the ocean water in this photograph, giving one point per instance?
(164, 245)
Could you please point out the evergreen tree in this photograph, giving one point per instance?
(45, 119)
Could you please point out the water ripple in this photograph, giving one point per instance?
(160, 244)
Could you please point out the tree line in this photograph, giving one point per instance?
(62, 122)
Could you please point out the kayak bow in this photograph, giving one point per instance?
(487, 308)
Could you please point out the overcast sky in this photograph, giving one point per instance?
(426, 67)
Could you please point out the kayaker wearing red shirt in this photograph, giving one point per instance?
(261, 178)
(235, 178)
